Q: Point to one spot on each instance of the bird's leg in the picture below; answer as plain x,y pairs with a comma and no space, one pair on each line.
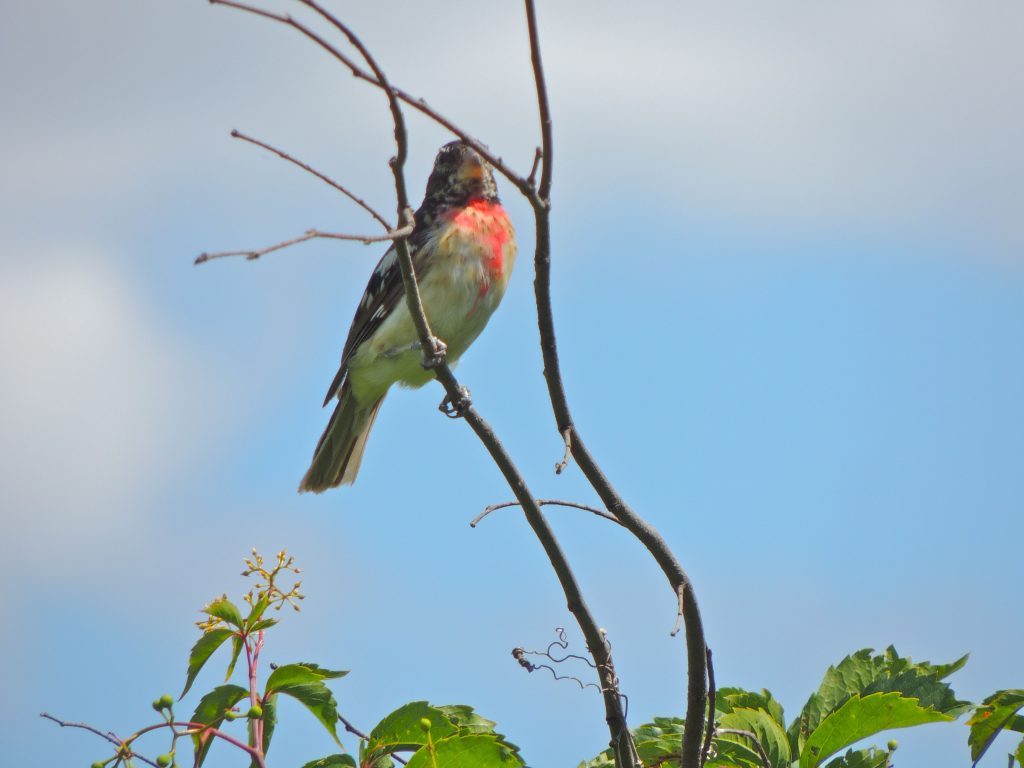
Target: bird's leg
433,357
454,408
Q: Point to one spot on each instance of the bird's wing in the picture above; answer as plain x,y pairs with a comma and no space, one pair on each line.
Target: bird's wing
383,293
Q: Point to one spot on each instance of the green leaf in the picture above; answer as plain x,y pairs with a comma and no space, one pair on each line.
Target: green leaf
318,699
402,730
859,718
256,613
237,643
332,761
470,722
211,711
302,673
225,610
474,751
765,727
604,760
262,624
727,699
996,712
863,674
862,758
201,653
730,754
1019,754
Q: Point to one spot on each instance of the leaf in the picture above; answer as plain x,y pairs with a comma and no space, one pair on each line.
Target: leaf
256,613
211,711
859,718
993,715
729,754
864,674
318,699
201,653
862,758
768,730
262,624
727,699
604,760
470,722
299,674
474,751
332,761
236,649
402,730
225,610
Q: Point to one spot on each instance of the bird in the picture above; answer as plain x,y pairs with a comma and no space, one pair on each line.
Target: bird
463,250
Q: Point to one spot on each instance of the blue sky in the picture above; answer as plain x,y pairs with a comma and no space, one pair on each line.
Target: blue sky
790,302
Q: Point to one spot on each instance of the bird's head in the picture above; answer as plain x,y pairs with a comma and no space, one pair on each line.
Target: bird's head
460,174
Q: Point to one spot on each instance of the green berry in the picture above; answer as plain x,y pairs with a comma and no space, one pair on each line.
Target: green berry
167,701
425,723
163,760
892,745
255,712
98,764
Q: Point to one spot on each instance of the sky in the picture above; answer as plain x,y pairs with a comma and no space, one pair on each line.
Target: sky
789,295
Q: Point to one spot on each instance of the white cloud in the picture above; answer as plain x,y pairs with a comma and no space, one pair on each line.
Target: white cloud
88,392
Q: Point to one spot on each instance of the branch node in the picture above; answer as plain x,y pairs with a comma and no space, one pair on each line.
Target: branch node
567,439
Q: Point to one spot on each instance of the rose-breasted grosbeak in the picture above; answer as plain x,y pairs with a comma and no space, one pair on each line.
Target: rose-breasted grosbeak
463,248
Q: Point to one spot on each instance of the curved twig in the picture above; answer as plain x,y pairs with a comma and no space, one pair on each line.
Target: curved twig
543,503
236,134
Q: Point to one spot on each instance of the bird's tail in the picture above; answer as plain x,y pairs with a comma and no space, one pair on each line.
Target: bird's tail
340,450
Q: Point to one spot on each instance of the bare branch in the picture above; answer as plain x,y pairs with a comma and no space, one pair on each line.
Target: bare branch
532,178
543,503
417,103
310,169
753,738
85,727
310,234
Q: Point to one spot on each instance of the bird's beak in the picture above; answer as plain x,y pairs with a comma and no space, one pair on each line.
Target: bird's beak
471,171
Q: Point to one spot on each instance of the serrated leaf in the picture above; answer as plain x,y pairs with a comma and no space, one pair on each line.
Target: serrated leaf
302,673
225,610
861,758
859,718
318,699
332,761
201,653
727,699
403,728
864,674
993,715
211,711
474,751
470,722
768,730
604,760
262,624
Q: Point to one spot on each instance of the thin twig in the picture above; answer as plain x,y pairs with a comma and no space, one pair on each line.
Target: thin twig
543,503
85,727
532,178
753,737
310,169
356,732
712,692
309,234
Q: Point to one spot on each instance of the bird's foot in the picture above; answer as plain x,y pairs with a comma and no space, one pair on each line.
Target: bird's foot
455,408
435,355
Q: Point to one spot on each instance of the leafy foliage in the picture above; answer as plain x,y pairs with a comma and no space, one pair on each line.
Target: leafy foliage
996,713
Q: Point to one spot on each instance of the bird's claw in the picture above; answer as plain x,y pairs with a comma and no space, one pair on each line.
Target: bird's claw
433,357
455,408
